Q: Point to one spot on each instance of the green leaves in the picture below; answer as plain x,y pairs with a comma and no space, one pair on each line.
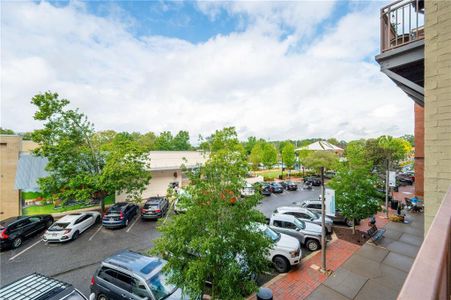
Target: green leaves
288,155
84,165
212,240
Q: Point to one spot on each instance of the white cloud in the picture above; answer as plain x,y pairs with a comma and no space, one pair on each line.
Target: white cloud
244,79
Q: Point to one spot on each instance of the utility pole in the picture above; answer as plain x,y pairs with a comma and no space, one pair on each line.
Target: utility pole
323,223
387,174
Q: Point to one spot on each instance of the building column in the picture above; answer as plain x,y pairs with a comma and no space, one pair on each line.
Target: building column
419,150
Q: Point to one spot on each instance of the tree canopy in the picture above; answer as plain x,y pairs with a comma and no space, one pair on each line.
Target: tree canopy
288,155
81,164
212,240
317,159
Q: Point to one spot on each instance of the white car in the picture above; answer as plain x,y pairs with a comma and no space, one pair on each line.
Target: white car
286,251
71,226
248,190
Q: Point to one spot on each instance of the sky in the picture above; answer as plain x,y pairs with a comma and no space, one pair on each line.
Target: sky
276,70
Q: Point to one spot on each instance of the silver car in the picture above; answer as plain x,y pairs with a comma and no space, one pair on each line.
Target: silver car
309,234
315,205
306,215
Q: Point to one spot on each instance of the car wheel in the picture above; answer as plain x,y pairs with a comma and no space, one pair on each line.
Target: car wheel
312,245
75,235
349,223
126,222
281,264
17,242
102,297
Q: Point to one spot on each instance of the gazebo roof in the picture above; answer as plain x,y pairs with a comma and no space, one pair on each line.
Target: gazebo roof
321,146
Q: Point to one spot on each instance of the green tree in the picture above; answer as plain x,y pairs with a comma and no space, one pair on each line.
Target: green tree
386,148
410,138
269,155
355,192
249,144
181,141
288,155
256,155
317,159
165,141
212,240
6,131
148,140
78,167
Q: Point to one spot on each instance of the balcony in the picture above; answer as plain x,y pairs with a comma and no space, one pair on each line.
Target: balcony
402,46
430,275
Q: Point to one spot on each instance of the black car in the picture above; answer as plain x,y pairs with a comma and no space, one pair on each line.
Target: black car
119,215
315,181
289,185
154,208
263,188
131,275
38,287
276,188
404,179
14,230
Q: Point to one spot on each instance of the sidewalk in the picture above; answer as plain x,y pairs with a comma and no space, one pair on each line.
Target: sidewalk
303,280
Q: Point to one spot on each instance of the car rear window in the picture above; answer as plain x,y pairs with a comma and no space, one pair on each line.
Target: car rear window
58,226
151,205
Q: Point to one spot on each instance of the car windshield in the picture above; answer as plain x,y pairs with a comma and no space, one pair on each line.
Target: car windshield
299,223
160,287
274,236
58,226
151,205
312,214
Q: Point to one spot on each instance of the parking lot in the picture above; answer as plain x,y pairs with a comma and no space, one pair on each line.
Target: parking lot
76,261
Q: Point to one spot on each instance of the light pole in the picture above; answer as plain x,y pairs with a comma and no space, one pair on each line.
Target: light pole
387,174
323,223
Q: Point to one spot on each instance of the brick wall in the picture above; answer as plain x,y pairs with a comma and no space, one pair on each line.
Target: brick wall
419,150
437,114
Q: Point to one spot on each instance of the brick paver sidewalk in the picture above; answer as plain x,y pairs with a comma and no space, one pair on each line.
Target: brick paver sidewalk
303,280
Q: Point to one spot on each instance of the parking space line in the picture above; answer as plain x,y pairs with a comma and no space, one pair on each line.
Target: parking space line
130,227
92,236
25,250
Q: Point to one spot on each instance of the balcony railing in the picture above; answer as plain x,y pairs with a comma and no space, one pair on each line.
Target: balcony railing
402,22
430,275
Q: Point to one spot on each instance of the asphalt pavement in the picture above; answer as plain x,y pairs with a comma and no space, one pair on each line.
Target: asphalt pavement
76,261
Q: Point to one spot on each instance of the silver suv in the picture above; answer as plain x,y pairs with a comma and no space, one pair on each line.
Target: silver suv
315,205
307,233
305,214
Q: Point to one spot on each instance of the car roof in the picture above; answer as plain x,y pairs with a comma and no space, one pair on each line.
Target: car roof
9,221
69,218
154,200
35,287
291,208
312,201
145,266
283,217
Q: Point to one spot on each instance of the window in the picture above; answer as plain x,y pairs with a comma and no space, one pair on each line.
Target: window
288,225
107,274
124,281
83,218
139,289
277,223
160,287
34,219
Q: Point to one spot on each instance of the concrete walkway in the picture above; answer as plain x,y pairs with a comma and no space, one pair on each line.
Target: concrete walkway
376,271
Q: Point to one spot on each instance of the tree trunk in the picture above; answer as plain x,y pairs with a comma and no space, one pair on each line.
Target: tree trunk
353,227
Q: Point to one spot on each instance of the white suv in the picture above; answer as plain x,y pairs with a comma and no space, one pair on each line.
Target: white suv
286,251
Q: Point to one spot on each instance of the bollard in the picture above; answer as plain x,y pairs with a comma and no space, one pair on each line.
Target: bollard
264,294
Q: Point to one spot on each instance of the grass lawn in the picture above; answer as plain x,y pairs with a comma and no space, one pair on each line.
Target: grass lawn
50,209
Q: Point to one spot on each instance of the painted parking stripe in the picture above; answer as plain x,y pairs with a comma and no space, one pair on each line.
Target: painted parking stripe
98,229
130,227
25,250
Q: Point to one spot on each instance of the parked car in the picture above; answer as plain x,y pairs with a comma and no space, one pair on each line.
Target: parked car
39,287
131,275
404,179
308,234
264,188
305,215
275,188
155,208
71,226
289,185
330,174
286,251
248,190
315,205
313,180
14,230
119,215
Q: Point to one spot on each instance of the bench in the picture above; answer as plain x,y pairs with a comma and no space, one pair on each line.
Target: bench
375,234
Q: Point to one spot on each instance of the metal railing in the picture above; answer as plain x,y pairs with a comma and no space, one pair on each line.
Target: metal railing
402,22
430,275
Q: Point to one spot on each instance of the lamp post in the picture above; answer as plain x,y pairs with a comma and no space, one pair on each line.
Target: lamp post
323,223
